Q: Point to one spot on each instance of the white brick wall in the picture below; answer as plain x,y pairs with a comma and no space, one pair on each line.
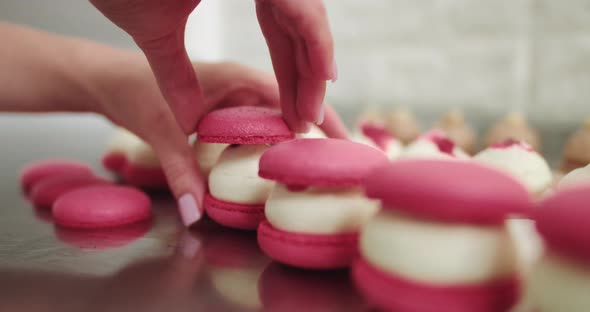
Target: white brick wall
485,56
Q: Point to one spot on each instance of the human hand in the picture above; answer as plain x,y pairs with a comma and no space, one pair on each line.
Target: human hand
131,99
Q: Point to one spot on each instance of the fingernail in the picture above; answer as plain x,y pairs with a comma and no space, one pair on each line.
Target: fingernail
320,119
334,72
190,246
189,210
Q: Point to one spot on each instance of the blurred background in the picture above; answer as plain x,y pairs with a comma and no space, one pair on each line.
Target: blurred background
486,57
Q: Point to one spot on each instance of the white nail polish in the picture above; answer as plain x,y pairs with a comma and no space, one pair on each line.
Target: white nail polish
189,210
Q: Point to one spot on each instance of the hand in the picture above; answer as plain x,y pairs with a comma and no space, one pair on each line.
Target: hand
297,33
130,98
300,44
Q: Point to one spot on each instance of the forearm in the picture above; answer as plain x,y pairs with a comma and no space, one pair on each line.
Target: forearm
41,72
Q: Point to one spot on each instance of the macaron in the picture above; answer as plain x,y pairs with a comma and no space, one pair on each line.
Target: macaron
378,136
47,191
560,280
236,193
316,209
207,154
453,124
37,171
440,237
433,144
576,152
520,160
403,124
101,206
134,161
513,126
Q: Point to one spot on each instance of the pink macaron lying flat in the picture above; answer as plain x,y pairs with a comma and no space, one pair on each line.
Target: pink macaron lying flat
393,293
308,251
244,125
563,221
37,171
233,215
320,162
458,191
48,190
101,206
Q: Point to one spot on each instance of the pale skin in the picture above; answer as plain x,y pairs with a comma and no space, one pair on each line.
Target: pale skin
41,72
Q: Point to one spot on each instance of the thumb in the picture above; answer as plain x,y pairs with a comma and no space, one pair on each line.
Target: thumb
176,77
178,162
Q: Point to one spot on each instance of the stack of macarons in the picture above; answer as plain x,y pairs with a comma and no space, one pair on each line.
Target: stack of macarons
434,144
440,242
317,208
236,194
134,161
560,280
79,199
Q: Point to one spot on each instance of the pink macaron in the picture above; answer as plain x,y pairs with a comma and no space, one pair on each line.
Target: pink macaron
101,206
47,191
244,125
236,194
563,221
37,171
318,174
451,208
146,177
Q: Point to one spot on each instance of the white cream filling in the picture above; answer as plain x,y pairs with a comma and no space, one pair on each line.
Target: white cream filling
528,243
142,155
239,286
207,154
234,178
122,142
393,148
438,253
575,177
528,167
557,284
424,148
319,210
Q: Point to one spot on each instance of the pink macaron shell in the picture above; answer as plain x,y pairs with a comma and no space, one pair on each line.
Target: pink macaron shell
377,133
46,191
102,239
308,251
144,177
35,172
393,293
449,191
101,206
563,221
244,125
234,215
114,162
320,162
288,289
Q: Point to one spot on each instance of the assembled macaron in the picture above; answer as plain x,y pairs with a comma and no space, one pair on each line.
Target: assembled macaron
433,144
440,242
236,193
560,280
134,161
317,207
378,136
453,124
575,177
513,126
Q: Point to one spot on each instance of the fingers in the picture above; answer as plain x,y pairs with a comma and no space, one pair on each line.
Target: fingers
176,77
282,52
308,18
177,160
333,126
